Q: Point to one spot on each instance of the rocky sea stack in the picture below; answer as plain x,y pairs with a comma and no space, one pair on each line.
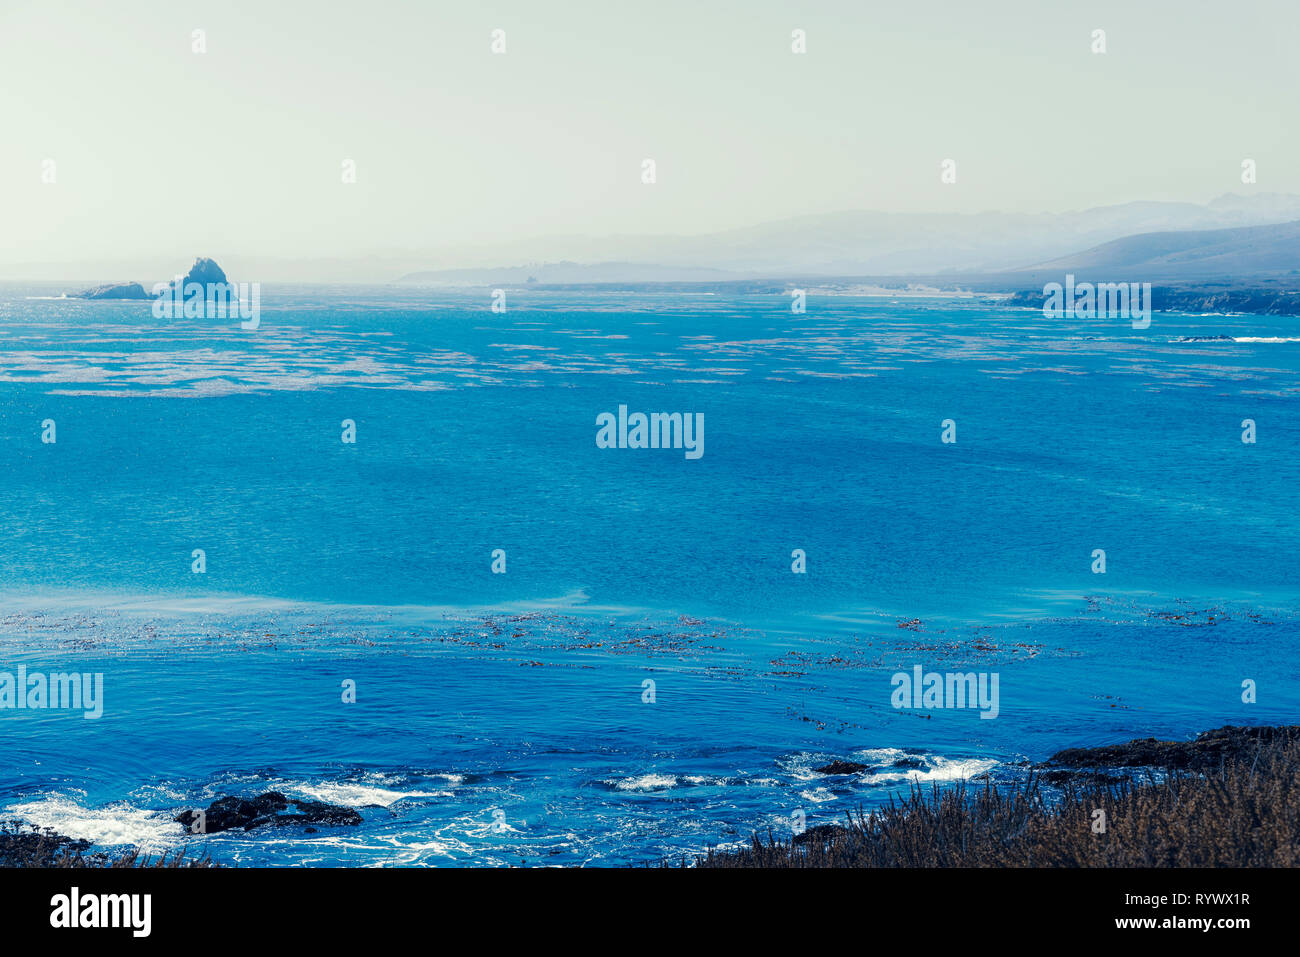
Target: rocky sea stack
203,272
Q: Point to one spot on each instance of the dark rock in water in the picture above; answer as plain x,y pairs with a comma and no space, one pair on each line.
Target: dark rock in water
841,767
908,762
818,833
273,808
1208,750
114,290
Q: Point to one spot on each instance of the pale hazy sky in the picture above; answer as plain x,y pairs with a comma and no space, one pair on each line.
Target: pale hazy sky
239,149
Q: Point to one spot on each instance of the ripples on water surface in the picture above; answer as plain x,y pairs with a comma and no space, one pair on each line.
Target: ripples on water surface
500,717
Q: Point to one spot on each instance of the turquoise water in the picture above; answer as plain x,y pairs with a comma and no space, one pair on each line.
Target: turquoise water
501,717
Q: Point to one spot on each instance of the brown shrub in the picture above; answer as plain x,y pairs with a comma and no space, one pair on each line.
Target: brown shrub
1243,813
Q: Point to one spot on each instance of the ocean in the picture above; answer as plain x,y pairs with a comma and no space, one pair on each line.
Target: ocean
568,654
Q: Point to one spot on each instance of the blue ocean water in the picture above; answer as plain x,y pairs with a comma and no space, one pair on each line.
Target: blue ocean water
502,718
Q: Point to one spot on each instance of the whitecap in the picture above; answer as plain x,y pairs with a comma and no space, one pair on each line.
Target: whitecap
939,769
644,782
817,795
113,824
359,795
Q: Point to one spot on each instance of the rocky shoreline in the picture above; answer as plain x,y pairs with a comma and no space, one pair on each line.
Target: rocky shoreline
1166,299
26,846
1241,777
1208,750
1230,797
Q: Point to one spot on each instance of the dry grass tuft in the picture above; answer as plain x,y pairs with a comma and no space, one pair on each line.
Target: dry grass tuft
1243,813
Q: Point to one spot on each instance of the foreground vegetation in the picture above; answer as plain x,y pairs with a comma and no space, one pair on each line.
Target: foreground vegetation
1243,811
23,846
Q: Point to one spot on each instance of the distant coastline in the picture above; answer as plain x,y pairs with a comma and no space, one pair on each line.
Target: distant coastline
1208,298
1262,302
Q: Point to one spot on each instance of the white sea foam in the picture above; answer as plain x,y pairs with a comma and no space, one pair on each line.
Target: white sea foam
452,779
359,795
933,767
703,780
882,755
800,766
113,824
644,782
939,769
817,795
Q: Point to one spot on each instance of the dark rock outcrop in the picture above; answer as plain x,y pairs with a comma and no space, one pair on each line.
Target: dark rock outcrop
1208,750
841,767
272,808
114,290
818,834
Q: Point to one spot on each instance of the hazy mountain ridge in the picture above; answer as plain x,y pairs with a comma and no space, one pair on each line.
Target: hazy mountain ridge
850,243
1187,255
861,243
